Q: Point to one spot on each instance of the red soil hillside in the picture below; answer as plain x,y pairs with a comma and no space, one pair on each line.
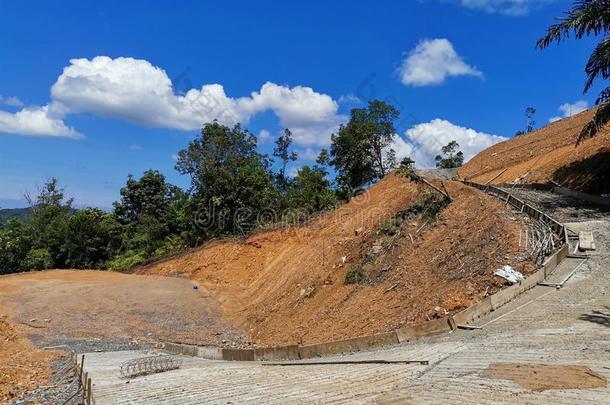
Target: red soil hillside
549,153
286,286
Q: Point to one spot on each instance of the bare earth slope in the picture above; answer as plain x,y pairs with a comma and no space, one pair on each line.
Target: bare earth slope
286,286
549,153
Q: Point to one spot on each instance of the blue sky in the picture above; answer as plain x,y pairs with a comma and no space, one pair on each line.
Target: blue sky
93,91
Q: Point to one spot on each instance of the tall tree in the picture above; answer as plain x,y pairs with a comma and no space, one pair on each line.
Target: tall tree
530,123
586,18
282,151
145,210
150,195
361,150
450,156
230,181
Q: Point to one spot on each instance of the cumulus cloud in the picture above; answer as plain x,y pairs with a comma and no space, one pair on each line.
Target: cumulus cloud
508,7
432,61
424,141
139,92
37,121
311,116
11,101
569,109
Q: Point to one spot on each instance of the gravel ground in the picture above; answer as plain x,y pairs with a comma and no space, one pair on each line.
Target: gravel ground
62,386
562,208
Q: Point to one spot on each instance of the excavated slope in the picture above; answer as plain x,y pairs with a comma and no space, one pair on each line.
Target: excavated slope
286,286
549,153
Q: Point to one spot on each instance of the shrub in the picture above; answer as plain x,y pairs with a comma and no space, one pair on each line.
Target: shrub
355,274
391,227
428,207
171,244
126,260
38,259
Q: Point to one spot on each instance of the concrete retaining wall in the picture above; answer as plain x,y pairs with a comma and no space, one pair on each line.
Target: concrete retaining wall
277,353
206,352
238,354
430,328
348,345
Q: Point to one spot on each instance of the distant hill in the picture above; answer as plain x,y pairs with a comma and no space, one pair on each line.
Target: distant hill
10,213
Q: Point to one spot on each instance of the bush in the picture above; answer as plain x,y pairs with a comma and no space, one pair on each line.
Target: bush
171,244
428,207
38,259
391,227
126,260
355,274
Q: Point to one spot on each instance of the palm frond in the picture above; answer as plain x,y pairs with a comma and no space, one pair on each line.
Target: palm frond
600,119
587,16
599,63
603,97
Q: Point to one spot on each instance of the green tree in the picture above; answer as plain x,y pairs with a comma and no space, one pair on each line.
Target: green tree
450,156
282,151
93,237
148,212
588,17
231,182
530,123
15,243
310,190
323,158
47,226
361,150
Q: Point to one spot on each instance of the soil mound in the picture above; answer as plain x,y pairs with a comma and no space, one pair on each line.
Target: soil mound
287,285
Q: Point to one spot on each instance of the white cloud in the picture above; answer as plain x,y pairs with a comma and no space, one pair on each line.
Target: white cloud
37,121
311,116
570,109
508,7
349,99
432,61
137,91
135,146
424,141
11,101
263,136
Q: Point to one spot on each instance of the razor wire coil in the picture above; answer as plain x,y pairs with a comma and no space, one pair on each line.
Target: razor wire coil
149,365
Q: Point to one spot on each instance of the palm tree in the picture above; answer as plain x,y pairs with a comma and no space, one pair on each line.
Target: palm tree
586,18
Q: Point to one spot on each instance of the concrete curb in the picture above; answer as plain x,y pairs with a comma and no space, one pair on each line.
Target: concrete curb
405,334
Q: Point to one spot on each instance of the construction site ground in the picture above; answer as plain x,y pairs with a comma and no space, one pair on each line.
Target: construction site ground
547,346
279,286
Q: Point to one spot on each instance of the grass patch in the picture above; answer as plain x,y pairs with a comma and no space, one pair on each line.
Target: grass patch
390,227
355,275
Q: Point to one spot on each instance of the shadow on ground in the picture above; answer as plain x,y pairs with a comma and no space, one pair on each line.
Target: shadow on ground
597,317
591,175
